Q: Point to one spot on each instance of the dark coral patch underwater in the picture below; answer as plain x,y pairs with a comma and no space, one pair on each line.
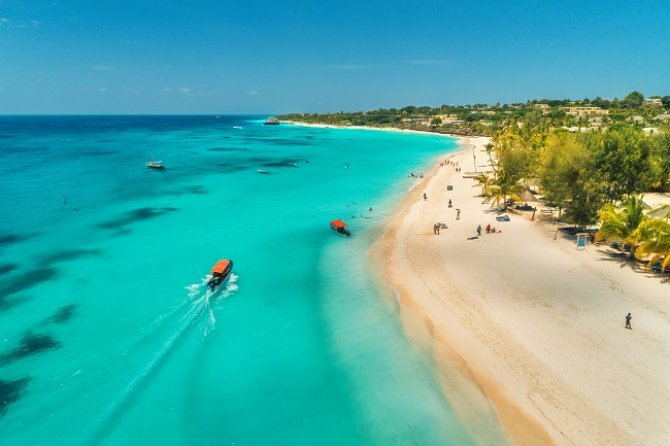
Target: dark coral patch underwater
10,392
30,344
134,216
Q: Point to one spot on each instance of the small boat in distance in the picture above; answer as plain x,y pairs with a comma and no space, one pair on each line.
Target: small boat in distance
263,171
220,273
340,227
155,164
271,121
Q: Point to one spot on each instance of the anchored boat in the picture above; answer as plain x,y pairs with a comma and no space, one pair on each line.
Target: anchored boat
220,273
340,227
155,164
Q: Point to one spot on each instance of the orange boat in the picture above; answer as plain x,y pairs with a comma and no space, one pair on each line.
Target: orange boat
340,227
220,272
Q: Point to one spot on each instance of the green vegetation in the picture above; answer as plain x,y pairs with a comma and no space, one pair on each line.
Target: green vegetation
591,158
486,119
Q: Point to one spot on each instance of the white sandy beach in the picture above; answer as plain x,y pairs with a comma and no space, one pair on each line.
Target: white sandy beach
535,324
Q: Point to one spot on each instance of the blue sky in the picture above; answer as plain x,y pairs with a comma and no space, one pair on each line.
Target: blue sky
202,56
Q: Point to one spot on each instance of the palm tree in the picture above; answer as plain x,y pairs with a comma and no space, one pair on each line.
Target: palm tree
485,182
622,224
653,236
502,187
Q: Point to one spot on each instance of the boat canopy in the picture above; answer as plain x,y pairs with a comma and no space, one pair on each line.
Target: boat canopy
221,266
338,223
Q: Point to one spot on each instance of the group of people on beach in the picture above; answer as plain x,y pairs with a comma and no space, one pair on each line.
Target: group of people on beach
447,162
490,229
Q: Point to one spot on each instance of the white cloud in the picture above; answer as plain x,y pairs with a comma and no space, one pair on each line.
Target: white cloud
185,90
253,93
167,90
102,89
16,24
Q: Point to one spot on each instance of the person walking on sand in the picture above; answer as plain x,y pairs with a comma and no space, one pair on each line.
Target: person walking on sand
479,230
628,318
425,197
458,214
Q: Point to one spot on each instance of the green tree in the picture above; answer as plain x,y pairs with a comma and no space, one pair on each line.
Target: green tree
512,159
568,177
660,161
586,199
665,100
561,160
623,157
634,99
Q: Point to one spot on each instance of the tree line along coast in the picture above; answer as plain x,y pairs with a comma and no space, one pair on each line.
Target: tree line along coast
592,160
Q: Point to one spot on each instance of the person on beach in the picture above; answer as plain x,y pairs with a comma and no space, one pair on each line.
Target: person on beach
425,197
458,214
450,202
488,228
479,230
628,318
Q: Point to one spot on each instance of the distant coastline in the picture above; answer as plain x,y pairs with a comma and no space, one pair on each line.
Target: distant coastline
365,127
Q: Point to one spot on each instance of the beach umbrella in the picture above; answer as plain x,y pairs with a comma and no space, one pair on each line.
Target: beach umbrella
527,196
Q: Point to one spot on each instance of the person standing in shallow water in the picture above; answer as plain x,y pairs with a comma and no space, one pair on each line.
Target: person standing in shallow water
628,318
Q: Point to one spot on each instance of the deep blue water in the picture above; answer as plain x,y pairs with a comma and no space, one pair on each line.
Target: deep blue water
106,336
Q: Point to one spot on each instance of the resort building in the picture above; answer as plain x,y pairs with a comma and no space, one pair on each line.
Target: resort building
449,119
654,102
584,112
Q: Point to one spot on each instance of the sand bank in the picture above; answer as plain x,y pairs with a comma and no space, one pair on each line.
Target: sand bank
529,322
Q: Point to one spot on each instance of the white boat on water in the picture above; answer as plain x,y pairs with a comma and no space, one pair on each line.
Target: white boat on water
155,164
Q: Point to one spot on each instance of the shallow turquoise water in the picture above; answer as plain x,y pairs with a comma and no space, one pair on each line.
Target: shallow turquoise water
105,337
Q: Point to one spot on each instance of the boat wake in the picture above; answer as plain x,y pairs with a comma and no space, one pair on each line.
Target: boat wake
199,304
195,290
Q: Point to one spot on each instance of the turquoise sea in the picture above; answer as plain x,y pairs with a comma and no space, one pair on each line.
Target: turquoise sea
106,333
